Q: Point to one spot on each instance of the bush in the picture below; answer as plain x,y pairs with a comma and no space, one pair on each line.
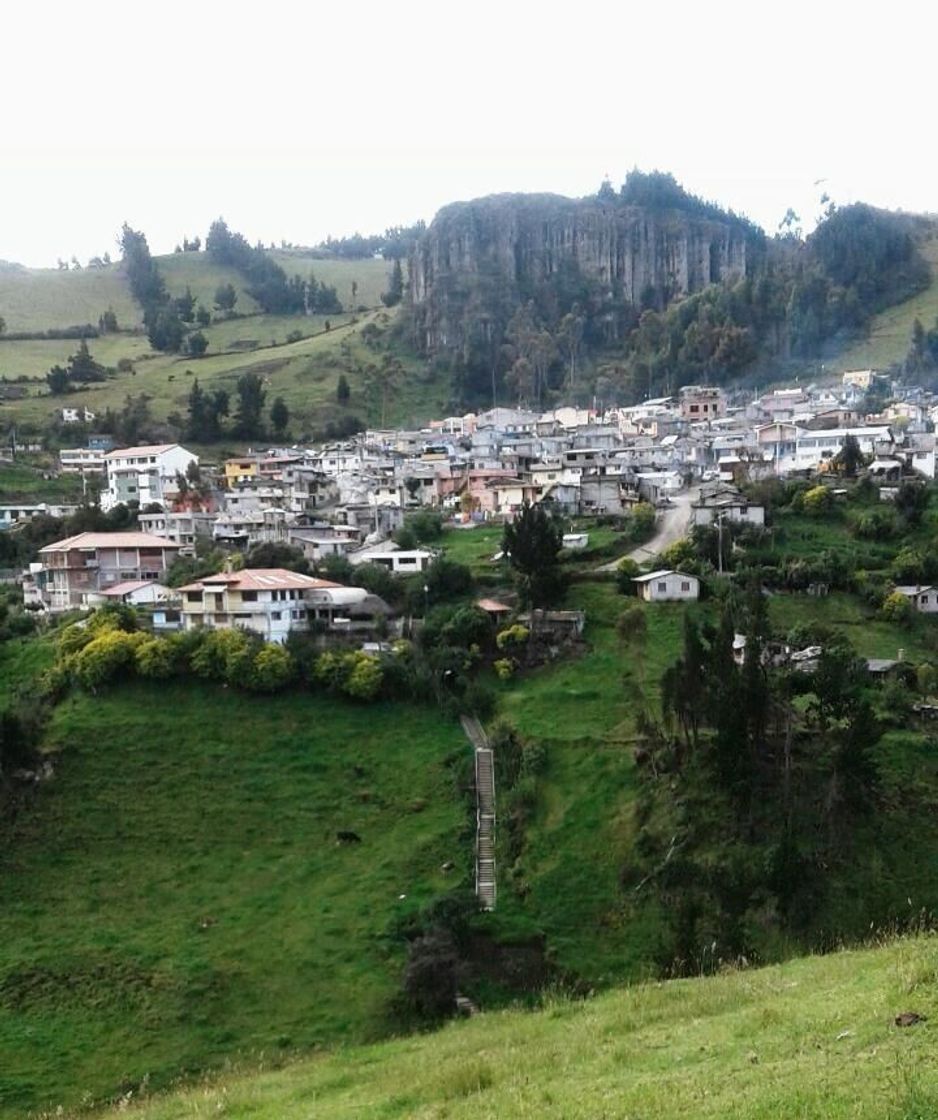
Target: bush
632,624
626,570
108,655
641,522
272,670
513,637
364,678
155,659
876,525
908,566
817,501
504,668
896,608
223,655
467,626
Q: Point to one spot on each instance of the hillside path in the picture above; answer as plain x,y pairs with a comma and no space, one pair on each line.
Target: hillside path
673,523
485,811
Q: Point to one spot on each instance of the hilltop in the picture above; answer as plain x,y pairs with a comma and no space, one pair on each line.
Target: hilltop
813,1037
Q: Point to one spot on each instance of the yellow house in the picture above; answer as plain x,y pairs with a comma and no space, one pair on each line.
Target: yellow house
241,470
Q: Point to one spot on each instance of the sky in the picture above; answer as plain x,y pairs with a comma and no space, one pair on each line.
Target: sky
295,123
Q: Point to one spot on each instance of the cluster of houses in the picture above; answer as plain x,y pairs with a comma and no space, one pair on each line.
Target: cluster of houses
348,499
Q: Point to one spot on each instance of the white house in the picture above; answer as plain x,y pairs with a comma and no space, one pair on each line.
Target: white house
268,601
923,599
144,474
400,561
667,586
78,460
272,602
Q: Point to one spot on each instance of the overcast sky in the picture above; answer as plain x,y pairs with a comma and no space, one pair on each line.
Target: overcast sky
294,122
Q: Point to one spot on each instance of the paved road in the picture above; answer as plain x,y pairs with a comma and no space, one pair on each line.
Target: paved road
673,523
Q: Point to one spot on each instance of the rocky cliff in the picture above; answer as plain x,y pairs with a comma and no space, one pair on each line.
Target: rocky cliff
479,259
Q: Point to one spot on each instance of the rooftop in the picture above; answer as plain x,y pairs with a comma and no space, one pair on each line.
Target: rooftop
109,540
260,579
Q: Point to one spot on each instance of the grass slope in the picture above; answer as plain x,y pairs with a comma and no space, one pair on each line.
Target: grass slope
811,1038
890,332
35,299
176,894
304,373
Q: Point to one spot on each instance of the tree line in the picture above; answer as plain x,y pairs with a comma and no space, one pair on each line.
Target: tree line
266,281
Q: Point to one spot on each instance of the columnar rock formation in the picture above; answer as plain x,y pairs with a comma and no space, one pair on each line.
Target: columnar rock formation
504,247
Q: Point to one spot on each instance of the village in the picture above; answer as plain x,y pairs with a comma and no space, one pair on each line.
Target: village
684,456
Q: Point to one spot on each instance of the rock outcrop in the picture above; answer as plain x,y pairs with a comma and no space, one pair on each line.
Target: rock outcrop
477,257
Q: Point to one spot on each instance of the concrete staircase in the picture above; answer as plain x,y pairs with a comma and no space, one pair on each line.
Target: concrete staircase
486,890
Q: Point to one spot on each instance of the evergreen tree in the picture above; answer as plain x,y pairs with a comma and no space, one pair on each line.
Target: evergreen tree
343,393
251,397
395,291
532,544
279,416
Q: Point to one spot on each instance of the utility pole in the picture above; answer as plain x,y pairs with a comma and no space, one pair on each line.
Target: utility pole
720,542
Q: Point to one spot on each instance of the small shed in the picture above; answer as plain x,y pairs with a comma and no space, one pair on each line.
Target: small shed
667,586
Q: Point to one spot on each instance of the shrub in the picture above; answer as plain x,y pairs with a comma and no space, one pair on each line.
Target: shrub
155,659
626,570
504,668
104,658
513,636
364,678
817,501
223,655
467,626
272,670
632,624
908,566
896,607
641,522
876,525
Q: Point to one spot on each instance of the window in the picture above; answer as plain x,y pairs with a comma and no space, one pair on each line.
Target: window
685,585
193,596
662,586
275,615
249,596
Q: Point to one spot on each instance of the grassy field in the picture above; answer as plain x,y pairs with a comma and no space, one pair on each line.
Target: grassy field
176,895
37,299
305,373
813,1038
24,482
890,332
370,275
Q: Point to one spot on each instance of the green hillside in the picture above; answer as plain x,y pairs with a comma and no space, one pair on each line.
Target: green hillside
37,299
812,1038
370,275
305,373
177,896
890,332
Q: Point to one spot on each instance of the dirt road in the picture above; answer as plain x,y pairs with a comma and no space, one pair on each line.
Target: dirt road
673,523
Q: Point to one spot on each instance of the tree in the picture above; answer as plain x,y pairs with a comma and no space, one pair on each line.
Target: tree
203,316
343,393
185,305
251,397
849,459
197,344
395,291
279,416
226,297
58,381
3,324
532,544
